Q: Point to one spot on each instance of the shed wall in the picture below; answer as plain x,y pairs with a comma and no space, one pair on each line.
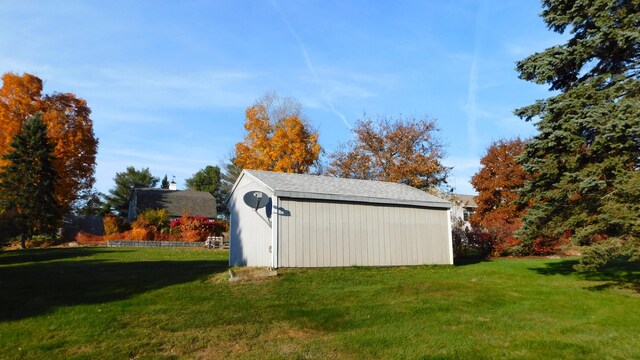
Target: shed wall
325,234
250,230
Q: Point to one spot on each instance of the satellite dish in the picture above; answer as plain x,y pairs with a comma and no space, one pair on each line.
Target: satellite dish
256,199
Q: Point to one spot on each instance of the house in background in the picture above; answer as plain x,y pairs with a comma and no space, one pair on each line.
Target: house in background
320,221
176,202
463,207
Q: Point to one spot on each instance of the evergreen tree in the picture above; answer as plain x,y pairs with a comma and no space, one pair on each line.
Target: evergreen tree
586,155
118,198
28,180
209,180
228,179
165,182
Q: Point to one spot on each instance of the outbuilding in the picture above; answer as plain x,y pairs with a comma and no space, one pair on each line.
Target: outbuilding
294,220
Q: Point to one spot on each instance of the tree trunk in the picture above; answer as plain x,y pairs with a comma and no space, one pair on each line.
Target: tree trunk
23,239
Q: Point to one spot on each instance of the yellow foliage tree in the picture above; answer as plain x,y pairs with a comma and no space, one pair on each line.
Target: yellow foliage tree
278,138
68,126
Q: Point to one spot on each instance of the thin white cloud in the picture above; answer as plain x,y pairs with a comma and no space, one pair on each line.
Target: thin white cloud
310,66
472,87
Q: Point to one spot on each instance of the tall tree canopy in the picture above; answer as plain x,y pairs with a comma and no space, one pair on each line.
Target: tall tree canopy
208,179
278,137
68,126
28,180
497,183
404,150
118,197
586,155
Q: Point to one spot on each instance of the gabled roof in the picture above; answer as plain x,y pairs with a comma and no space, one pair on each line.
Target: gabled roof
177,202
302,186
465,200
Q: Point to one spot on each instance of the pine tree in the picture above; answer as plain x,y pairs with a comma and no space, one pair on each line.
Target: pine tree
586,155
28,180
165,182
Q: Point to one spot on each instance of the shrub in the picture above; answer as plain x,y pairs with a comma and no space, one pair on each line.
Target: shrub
111,224
86,238
140,223
140,234
470,242
157,218
194,228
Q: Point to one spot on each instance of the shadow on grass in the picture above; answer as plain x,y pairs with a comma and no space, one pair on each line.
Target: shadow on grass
469,260
40,255
616,275
30,289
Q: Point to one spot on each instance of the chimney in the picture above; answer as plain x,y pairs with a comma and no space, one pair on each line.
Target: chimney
172,184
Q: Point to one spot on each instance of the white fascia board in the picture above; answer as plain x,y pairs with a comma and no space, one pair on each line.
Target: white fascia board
235,185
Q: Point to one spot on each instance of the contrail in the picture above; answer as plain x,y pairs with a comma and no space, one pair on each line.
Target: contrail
309,64
472,93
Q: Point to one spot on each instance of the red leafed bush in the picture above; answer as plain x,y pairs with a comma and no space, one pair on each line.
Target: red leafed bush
194,228
86,238
147,233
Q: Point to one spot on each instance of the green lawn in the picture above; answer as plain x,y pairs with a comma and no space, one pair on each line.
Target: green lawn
99,303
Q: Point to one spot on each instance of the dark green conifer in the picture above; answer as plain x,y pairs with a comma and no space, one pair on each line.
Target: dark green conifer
27,182
586,156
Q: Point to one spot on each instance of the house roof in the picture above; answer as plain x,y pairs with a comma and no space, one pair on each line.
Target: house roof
466,200
177,202
339,189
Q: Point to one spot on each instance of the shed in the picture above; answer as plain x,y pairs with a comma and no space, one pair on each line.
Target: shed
176,202
320,221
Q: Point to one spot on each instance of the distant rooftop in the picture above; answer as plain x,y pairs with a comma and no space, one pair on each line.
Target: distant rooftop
340,189
177,202
466,200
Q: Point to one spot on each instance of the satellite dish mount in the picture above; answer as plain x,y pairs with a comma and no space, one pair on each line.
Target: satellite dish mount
256,199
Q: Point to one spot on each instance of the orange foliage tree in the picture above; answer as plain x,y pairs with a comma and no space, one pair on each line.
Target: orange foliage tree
278,138
403,150
497,184
68,125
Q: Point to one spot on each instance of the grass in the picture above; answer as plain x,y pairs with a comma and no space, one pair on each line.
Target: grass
91,303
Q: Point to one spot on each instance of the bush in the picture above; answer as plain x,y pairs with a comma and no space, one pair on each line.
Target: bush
470,242
157,218
194,228
114,225
140,234
111,224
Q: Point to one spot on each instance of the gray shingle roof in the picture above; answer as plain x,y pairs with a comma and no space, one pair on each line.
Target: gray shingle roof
339,189
466,200
177,202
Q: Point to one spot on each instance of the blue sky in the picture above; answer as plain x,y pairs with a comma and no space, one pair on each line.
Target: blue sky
168,81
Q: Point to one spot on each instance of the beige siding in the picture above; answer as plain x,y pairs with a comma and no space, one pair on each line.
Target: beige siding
317,233
250,230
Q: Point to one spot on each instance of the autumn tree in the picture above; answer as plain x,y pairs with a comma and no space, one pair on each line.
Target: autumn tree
402,149
497,183
28,181
586,156
278,137
118,197
208,179
68,126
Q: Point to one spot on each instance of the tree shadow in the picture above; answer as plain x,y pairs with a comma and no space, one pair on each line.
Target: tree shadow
35,288
40,255
621,274
469,260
